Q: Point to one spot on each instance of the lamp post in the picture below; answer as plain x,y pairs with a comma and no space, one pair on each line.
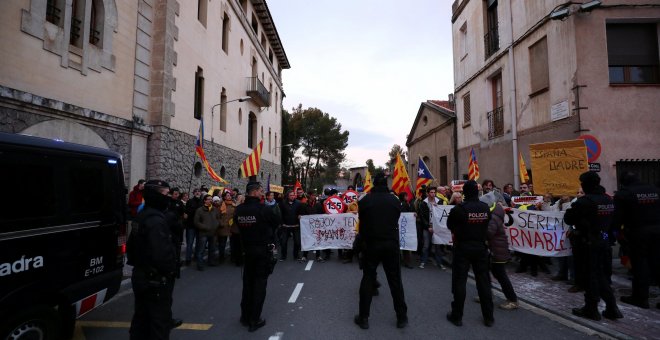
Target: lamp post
240,100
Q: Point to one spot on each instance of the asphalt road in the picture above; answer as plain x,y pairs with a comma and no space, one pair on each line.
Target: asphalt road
209,301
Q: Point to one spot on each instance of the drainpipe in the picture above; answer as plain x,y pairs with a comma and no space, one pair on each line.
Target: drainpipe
512,105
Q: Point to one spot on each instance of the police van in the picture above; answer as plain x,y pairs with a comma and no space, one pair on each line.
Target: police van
62,234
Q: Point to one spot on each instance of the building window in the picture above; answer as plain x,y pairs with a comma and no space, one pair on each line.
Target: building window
632,53
496,117
538,66
201,11
55,12
270,94
263,41
277,100
270,150
443,170
467,116
491,38
270,55
223,171
223,110
96,23
240,116
252,130
225,33
255,25
199,93
463,41
244,5
276,144
77,20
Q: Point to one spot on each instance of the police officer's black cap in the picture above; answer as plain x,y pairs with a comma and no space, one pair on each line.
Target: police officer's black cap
471,189
156,183
252,185
380,179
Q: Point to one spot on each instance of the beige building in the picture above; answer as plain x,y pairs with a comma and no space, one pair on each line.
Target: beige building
432,138
138,76
530,72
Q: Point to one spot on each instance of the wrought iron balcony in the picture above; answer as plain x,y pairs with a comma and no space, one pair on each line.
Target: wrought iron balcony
258,92
491,41
496,123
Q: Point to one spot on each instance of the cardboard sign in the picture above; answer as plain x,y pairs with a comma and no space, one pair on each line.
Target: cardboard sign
334,205
557,166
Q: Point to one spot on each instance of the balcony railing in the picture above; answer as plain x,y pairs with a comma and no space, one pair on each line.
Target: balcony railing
258,92
496,123
491,41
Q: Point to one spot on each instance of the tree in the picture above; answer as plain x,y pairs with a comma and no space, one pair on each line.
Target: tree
372,168
396,149
319,138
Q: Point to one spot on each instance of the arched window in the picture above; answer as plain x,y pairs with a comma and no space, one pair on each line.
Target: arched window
269,145
240,116
223,171
252,130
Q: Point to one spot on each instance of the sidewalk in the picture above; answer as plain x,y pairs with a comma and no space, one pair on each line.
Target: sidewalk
553,297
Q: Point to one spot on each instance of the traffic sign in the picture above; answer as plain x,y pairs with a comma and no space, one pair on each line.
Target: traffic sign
593,147
595,167
350,196
334,205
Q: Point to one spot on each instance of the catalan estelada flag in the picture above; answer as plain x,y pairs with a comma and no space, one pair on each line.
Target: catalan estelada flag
400,179
524,176
473,166
199,149
424,176
251,165
367,183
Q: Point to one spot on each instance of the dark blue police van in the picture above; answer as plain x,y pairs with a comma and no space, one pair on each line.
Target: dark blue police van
62,234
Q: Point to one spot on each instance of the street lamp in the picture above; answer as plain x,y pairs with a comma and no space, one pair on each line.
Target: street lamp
240,100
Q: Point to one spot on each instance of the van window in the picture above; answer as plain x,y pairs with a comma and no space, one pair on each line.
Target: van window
86,189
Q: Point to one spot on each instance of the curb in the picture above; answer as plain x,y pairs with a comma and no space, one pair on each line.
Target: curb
570,317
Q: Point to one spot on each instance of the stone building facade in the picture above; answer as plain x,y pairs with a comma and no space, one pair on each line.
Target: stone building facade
432,138
123,75
523,78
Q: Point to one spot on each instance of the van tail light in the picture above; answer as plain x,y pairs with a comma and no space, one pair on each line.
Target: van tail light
121,243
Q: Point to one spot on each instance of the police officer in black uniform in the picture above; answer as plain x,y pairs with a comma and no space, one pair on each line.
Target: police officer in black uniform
637,209
591,215
257,224
468,223
379,213
152,254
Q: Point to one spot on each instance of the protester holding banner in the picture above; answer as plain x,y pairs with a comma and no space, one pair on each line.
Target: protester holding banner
290,209
469,224
379,214
499,247
426,218
637,209
592,216
405,207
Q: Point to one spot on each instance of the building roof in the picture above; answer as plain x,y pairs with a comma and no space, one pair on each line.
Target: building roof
441,107
261,8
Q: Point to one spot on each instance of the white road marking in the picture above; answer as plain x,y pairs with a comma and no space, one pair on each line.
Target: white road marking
277,336
296,292
309,265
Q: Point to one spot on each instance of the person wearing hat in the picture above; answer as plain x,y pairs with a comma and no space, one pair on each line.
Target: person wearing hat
379,213
257,224
468,223
637,215
152,254
591,215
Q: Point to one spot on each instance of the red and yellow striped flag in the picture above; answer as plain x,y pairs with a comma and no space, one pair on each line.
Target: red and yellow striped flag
400,179
473,166
251,165
199,149
367,182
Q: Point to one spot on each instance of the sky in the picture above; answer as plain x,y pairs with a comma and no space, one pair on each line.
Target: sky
368,63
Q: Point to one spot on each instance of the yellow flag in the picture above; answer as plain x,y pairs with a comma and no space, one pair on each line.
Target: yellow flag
524,176
367,182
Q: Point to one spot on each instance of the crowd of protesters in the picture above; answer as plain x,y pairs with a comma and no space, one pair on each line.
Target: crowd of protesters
206,227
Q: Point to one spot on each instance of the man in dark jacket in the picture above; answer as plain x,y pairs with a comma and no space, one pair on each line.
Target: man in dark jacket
591,215
152,254
637,215
468,223
379,213
290,208
257,224
189,223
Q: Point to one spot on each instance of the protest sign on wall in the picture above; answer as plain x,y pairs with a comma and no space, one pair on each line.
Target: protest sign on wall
337,231
529,231
556,166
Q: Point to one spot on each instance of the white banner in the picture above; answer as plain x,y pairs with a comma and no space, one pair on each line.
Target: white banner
529,231
337,231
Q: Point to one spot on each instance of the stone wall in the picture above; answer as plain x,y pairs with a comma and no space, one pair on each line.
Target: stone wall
171,157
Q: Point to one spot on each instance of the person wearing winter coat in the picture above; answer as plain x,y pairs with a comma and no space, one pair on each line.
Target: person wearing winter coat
226,218
500,255
206,223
